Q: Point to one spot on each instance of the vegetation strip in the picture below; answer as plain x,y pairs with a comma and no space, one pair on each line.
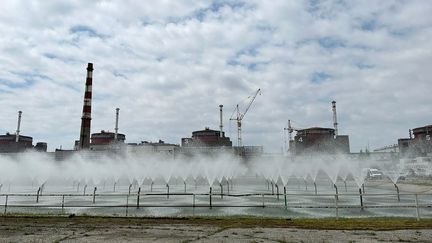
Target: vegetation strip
225,222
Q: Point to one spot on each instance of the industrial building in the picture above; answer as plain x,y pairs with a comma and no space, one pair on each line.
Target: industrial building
153,148
318,139
207,138
419,144
14,143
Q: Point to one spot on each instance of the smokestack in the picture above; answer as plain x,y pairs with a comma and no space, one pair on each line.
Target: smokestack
221,123
116,124
18,126
86,115
335,123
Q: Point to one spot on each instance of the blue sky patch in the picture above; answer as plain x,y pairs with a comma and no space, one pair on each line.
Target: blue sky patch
330,43
85,30
320,77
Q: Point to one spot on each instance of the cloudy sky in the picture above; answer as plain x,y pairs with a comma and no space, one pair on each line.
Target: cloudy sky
169,64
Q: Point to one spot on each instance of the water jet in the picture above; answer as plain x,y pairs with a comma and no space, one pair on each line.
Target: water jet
277,191
130,186
37,195
272,187
138,197
221,187
167,186
361,198
315,186
210,197
397,190
85,187
346,190
228,186
337,197
94,194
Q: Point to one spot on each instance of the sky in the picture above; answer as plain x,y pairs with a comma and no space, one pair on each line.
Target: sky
169,64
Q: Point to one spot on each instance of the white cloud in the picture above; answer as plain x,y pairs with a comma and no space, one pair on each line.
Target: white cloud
170,64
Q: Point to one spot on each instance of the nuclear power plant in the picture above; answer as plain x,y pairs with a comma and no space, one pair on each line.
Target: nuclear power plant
301,141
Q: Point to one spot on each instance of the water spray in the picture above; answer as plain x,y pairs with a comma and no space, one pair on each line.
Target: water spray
397,190
361,199
184,182
346,190
130,186
363,186
151,186
114,186
268,185
78,186
42,188
337,197
228,186
167,186
221,187
1,185
315,186
94,194
277,191
85,187
195,180
305,182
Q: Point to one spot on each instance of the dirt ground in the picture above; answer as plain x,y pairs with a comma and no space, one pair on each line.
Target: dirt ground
97,229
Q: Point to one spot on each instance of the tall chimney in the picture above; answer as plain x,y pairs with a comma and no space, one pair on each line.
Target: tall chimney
18,126
116,125
221,122
335,123
86,115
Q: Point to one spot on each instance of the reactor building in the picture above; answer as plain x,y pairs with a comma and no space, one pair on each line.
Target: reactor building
419,144
319,140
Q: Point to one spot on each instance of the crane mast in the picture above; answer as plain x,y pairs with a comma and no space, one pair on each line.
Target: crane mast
239,117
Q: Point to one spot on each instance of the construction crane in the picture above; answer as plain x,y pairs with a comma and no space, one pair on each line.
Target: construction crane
239,117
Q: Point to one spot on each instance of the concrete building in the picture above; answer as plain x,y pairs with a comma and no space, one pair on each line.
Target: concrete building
319,140
8,143
150,148
418,145
207,138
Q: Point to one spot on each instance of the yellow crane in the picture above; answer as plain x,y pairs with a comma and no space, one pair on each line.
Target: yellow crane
239,116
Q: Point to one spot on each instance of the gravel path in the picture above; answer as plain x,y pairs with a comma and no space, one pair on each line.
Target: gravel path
22,230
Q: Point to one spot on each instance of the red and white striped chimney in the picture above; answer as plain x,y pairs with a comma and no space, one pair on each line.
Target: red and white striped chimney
86,115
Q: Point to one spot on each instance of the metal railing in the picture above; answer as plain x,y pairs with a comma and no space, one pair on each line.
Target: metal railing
135,200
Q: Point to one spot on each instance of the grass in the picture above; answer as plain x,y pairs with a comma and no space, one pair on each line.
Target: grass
225,222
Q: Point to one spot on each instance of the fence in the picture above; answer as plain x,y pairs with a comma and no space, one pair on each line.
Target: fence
137,200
